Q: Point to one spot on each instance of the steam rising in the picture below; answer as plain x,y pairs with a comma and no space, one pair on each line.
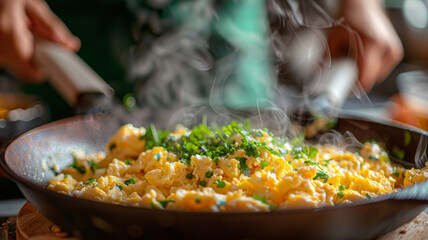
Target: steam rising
180,77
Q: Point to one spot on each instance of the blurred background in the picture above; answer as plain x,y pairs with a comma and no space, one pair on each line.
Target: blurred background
119,37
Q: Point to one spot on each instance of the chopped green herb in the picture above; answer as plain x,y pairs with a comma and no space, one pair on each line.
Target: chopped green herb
396,173
168,158
264,145
332,122
369,196
403,174
93,165
407,138
197,200
130,181
260,198
312,152
189,176
342,188
397,152
263,164
245,170
119,186
154,206
221,184
91,180
112,146
313,164
216,159
164,203
258,134
127,161
340,195
80,168
202,183
65,175
157,157
373,158
326,162
321,175
209,174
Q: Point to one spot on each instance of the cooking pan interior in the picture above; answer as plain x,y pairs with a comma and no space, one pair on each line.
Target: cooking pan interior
30,160
35,156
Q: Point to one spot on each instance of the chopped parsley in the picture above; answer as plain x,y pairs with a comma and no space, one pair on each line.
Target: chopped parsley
157,156
119,186
154,206
340,195
93,165
164,203
80,168
310,162
127,161
370,197
212,143
221,184
197,199
189,176
130,181
396,173
65,175
202,183
245,170
326,162
258,134
209,174
305,152
91,180
342,188
321,175
260,198
263,200
263,164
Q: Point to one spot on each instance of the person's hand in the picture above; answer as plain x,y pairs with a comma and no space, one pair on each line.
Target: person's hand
379,50
20,22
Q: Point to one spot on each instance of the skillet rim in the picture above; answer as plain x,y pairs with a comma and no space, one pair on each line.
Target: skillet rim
97,117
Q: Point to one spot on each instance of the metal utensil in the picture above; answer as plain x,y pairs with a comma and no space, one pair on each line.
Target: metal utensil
80,86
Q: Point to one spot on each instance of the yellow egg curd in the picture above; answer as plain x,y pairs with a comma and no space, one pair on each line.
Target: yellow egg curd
232,168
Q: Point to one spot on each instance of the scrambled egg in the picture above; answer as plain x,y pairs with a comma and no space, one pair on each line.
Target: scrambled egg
248,170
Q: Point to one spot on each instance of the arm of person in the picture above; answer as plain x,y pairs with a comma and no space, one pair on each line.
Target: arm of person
20,22
377,46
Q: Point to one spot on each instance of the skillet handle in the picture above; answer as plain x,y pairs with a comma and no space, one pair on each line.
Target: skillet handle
68,73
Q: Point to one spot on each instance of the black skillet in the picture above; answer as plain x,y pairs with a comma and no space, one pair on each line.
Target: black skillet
28,159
